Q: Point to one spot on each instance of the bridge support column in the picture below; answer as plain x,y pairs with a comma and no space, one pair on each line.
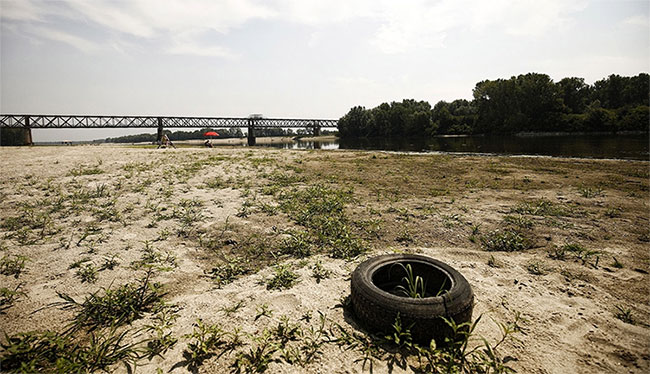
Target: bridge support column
316,130
16,136
160,130
251,133
28,132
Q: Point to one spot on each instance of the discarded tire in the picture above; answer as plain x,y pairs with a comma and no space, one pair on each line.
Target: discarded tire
376,303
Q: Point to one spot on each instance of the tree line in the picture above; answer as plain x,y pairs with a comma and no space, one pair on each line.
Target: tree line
223,134
526,103
176,135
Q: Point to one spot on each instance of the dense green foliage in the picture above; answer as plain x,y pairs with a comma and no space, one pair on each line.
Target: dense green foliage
526,103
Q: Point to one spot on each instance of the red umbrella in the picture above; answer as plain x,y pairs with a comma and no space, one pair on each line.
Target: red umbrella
211,133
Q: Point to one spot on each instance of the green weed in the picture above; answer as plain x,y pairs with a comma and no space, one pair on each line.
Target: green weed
322,211
590,192
617,264
414,285
87,273
78,263
506,240
8,297
258,357
519,221
229,271
285,331
624,314
110,262
319,272
215,183
542,207
50,352
85,170
536,268
493,263
162,338
153,259
230,310
206,341
263,311
298,244
12,265
115,307
283,278
577,252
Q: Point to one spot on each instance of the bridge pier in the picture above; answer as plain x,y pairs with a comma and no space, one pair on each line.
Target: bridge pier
17,136
160,130
251,133
27,132
316,130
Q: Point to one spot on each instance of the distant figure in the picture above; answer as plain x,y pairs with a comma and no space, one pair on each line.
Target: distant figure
165,142
208,143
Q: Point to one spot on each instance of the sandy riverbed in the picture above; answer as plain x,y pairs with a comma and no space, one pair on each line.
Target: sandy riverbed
191,210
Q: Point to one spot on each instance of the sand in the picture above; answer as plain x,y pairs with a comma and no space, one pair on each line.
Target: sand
570,324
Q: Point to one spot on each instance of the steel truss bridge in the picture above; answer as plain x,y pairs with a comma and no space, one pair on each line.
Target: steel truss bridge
30,121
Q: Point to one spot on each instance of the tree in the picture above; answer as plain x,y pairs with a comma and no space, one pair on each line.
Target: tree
575,94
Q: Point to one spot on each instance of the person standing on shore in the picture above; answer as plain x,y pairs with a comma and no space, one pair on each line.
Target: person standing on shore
165,142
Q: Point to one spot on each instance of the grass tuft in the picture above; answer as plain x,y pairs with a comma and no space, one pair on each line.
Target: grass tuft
507,240
115,307
283,278
12,265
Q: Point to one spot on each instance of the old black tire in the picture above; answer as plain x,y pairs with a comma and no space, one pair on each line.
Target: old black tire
376,308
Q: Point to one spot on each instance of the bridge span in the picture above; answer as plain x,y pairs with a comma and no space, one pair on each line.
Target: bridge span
26,122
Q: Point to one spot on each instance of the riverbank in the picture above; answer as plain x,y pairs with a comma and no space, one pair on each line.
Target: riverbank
561,243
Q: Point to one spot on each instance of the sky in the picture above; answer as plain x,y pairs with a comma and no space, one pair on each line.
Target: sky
295,58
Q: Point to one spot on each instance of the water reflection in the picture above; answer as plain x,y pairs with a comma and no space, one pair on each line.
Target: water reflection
584,146
299,144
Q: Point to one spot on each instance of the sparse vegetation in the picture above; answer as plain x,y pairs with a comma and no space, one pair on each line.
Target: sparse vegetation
207,341
322,211
537,268
87,273
412,285
229,271
506,240
493,263
543,207
590,192
176,216
283,278
319,272
115,307
577,252
263,311
8,296
51,352
12,265
624,314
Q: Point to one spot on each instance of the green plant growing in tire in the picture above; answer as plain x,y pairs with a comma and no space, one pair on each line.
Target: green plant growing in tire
415,287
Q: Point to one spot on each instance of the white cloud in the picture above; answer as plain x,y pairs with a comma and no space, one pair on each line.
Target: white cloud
18,10
60,36
400,26
639,20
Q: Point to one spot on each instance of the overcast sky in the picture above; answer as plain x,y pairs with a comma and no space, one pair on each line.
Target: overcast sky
295,58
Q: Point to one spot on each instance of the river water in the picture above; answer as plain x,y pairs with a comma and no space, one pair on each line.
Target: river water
633,147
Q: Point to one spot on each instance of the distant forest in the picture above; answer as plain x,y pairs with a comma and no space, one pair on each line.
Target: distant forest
198,134
526,103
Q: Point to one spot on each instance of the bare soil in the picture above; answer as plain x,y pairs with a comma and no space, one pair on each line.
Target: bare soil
442,206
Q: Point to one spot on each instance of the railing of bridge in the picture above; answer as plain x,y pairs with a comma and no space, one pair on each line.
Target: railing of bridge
80,121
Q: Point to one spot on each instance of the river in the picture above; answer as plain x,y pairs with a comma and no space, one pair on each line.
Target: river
632,147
